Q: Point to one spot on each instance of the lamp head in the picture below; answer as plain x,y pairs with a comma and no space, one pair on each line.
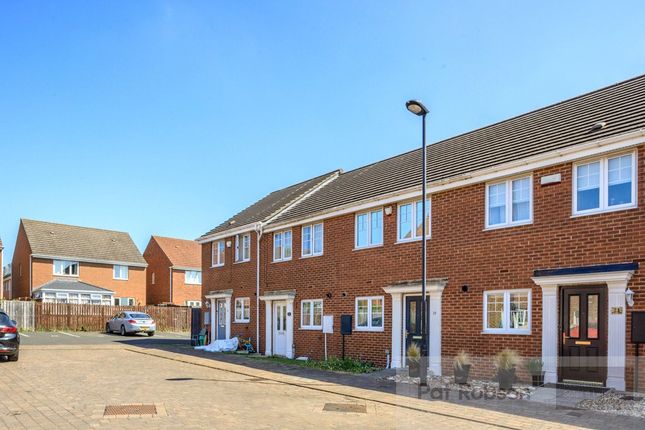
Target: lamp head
416,107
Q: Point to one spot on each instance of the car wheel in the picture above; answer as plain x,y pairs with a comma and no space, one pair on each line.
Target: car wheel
107,329
14,357
151,333
123,333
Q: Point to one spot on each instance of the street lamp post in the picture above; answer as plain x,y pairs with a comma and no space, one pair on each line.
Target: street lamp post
417,108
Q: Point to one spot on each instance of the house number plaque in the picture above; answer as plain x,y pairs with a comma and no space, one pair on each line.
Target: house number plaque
617,310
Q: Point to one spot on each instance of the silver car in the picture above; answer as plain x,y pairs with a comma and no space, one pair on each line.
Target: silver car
131,322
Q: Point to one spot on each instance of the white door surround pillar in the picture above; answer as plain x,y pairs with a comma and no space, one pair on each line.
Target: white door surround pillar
434,291
616,282
213,296
268,298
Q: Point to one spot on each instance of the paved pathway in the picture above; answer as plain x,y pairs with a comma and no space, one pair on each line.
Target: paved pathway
68,386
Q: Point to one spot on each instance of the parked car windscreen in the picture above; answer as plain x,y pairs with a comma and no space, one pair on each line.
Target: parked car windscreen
5,320
140,316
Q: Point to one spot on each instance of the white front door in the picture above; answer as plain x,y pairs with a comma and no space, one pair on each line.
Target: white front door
280,328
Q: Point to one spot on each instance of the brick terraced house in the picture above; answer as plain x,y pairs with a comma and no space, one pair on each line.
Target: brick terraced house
174,272
536,234
71,264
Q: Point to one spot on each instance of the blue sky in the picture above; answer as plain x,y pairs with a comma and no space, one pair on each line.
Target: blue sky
162,117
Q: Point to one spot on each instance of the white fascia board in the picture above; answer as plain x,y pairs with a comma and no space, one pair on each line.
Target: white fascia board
64,290
577,152
89,260
187,268
246,228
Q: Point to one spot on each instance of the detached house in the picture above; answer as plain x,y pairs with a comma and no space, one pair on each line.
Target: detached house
174,272
71,264
536,233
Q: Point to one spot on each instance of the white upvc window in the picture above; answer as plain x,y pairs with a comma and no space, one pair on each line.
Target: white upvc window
217,253
243,310
194,303
509,202
409,220
369,313
311,312
65,268
120,272
242,247
369,229
62,297
312,240
193,277
73,298
282,245
124,301
507,312
604,185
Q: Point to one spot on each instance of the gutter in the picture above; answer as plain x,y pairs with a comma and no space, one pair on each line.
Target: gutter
170,285
258,233
576,152
89,260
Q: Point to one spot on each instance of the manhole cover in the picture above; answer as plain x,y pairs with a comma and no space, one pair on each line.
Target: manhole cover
345,407
130,410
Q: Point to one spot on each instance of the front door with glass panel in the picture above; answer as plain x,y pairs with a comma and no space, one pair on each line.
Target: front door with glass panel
413,322
583,344
221,319
280,328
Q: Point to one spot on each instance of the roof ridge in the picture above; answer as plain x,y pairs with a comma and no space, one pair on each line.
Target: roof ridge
156,236
500,122
75,226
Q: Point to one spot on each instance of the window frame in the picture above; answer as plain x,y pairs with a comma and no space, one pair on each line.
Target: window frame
369,213
369,327
242,300
216,261
78,268
506,312
313,252
186,272
239,247
281,234
508,183
414,220
194,303
311,325
604,185
127,272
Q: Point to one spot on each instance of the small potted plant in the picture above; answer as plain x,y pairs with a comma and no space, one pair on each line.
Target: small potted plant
414,358
505,362
461,366
535,368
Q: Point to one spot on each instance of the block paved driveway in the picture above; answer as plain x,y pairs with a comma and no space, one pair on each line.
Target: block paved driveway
66,382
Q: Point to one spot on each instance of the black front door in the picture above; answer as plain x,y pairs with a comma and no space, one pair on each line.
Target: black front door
583,345
413,322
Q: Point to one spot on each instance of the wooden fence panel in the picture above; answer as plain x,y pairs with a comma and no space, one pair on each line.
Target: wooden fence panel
22,312
73,317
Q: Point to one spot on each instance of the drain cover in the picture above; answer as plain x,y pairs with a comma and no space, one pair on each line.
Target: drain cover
345,407
130,410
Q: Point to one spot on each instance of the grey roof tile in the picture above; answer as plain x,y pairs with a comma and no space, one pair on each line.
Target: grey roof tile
271,204
71,285
83,243
558,126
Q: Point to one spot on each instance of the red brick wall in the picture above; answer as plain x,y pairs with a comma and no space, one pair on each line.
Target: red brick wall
181,291
237,276
101,275
459,250
20,266
159,264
